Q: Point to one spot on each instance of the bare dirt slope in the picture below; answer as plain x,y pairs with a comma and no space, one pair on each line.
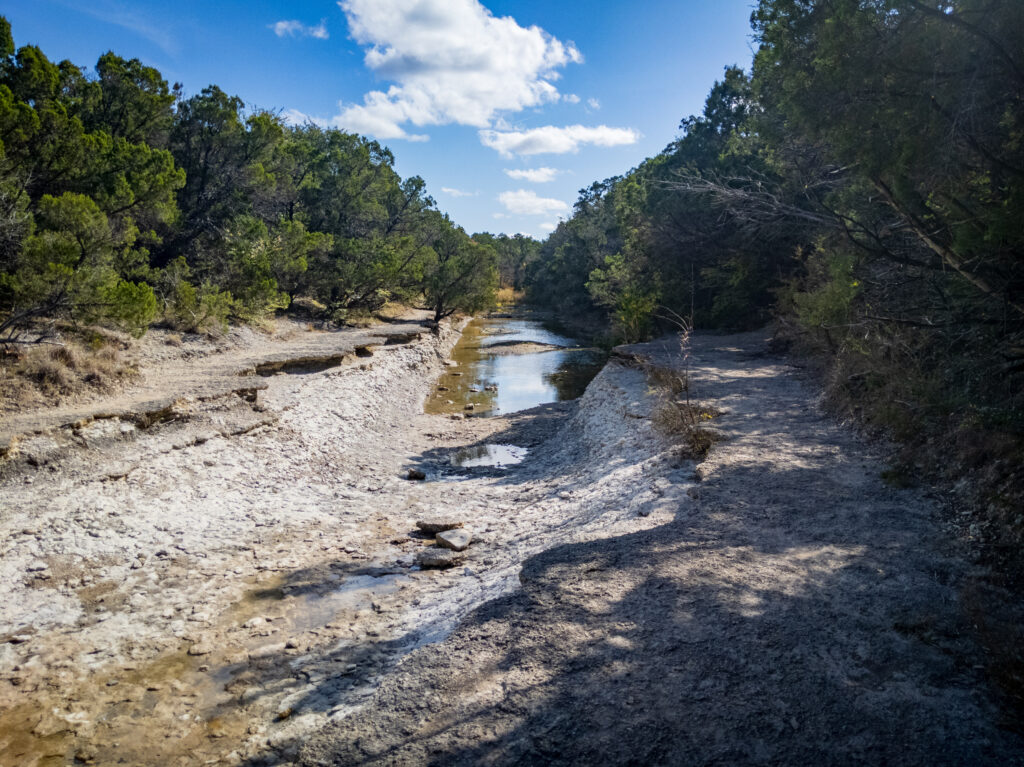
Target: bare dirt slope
198,367
793,609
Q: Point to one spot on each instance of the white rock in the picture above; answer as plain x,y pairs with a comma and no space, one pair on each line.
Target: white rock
456,540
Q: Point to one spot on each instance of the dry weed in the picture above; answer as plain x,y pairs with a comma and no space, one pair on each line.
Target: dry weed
43,375
677,416
508,296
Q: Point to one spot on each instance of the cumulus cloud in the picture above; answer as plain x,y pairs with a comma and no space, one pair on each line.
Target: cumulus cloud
457,192
553,140
594,104
571,98
452,61
533,175
525,202
547,227
294,28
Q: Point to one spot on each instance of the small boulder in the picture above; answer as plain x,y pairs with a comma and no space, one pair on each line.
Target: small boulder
416,474
456,540
439,559
435,526
443,388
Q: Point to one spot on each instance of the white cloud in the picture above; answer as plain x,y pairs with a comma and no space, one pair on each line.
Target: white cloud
525,202
294,28
296,118
457,192
452,61
594,104
533,175
571,98
553,140
547,226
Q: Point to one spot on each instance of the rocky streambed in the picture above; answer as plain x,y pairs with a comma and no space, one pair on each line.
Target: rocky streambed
258,579
216,587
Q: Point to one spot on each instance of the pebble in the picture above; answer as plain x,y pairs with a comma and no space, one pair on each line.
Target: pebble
438,558
438,525
456,540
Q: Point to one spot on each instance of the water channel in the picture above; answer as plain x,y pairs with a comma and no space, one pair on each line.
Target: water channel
505,364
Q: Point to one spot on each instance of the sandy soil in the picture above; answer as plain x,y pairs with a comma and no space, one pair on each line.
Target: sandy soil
235,582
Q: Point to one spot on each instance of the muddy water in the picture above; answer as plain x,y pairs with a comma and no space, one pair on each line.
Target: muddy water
504,365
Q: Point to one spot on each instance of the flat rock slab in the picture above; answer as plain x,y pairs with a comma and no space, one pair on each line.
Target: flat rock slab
439,559
456,540
435,526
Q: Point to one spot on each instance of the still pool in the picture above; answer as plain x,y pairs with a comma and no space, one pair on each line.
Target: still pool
504,365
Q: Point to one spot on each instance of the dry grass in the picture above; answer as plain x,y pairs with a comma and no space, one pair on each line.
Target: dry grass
46,375
509,296
678,416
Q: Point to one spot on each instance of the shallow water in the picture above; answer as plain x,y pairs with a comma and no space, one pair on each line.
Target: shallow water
523,380
489,455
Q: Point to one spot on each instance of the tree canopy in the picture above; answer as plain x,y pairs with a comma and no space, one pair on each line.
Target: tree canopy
124,200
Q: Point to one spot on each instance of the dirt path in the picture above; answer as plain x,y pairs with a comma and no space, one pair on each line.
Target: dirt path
792,609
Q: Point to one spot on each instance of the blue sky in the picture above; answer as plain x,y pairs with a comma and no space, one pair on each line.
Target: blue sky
505,107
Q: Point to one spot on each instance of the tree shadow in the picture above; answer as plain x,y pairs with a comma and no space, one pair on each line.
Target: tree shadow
750,629
704,641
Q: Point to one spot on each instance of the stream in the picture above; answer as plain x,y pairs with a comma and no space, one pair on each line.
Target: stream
504,364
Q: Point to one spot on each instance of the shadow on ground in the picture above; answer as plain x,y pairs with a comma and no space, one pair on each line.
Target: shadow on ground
792,613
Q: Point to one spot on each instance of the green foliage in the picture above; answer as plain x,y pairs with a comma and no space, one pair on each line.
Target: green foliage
189,308
827,305
132,306
116,192
66,268
619,287
459,274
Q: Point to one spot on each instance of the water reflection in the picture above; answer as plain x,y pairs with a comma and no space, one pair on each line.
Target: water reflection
489,455
504,365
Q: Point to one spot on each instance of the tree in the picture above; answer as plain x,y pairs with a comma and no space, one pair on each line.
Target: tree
459,275
67,268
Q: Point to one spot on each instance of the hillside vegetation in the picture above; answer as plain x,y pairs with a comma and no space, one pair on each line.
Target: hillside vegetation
125,201
863,185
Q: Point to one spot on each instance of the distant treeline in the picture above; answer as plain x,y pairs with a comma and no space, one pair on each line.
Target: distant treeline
124,202
863,184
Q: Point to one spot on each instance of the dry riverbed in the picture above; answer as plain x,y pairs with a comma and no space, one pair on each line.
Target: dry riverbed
215,588
239,583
